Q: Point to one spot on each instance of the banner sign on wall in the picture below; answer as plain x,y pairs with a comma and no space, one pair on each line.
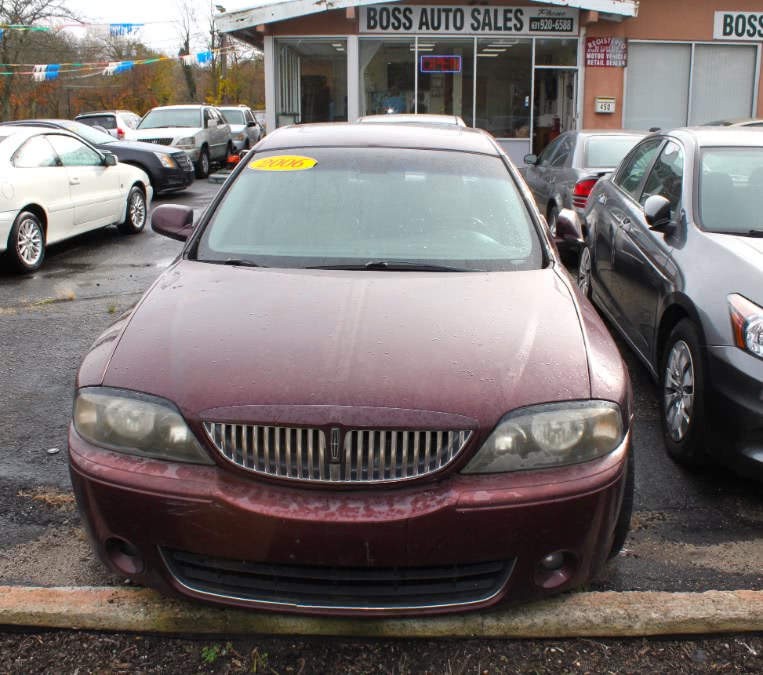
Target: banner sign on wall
607,52
738,26
473,20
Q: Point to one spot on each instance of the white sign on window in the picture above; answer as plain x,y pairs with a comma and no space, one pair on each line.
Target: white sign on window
738,26
473,20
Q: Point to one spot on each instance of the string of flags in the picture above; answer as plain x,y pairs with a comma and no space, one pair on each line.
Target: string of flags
44,72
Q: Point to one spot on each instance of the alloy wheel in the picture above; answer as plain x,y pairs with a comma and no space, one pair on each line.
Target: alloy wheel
29,243
137,209
678,393
584,271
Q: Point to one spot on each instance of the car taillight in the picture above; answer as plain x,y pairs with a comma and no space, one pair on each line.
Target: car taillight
581,191
120,133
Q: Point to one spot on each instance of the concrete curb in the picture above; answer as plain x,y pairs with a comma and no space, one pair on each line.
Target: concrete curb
606,614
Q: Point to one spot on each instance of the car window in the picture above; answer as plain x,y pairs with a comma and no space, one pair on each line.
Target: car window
548,152
160,118
666,177
74,152
248,115
606,152
105,121
442,207
35,153
563,155
731,189
233,116
632,171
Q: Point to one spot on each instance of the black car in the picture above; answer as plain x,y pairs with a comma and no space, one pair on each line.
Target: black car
168,168
674,259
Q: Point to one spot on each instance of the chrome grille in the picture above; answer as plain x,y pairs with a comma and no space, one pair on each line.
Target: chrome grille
182,159
159,141
366,456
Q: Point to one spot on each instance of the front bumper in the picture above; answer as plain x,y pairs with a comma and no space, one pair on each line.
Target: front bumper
735,399
230,523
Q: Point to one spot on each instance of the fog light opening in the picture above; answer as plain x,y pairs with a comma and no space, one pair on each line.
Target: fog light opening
124,557
555,569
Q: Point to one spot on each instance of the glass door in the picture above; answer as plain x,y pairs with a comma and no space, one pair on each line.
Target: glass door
554,109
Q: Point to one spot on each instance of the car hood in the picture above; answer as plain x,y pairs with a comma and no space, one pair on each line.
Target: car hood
166,132
210,336
139,145
748,249
235,128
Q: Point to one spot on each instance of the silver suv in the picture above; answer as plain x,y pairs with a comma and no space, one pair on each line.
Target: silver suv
200,130
245,130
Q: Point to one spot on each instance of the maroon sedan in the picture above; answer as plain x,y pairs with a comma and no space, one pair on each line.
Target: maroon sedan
366,386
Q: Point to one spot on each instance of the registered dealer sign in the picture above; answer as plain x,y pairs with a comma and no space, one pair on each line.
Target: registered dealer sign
738,26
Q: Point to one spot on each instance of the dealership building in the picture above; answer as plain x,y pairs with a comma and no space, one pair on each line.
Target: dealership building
524,71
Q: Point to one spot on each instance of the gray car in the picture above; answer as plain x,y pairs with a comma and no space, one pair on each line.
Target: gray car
674,259
562,176
245,130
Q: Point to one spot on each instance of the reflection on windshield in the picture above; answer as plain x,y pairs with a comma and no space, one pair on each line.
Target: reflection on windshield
91,135
355,205
233,116
731,189
171,117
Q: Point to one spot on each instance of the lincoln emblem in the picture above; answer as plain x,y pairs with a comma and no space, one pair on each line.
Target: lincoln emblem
334,456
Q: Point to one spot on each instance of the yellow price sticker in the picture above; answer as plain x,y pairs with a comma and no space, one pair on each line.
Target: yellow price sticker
283,163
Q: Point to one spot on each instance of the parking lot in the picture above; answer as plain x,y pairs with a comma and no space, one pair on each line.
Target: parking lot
692,531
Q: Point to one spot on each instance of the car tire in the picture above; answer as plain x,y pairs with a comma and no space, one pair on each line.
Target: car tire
623,524
202,165
136,212
685,430
26,243
583,278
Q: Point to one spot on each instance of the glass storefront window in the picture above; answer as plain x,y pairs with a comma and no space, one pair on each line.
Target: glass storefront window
549,52
387,76
504,78
312,77
446,84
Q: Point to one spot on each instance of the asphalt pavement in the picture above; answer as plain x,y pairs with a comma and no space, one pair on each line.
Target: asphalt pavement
693,531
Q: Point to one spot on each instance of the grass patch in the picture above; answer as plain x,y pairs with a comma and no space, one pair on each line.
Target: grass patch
50,497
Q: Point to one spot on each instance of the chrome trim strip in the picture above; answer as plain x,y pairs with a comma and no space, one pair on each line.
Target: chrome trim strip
364,608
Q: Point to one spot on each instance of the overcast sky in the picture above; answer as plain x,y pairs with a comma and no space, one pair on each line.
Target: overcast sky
163,36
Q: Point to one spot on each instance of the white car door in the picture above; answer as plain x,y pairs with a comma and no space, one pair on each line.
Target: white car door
95,187
39,178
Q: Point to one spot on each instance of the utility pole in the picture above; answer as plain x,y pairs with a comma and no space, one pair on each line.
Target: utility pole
223,61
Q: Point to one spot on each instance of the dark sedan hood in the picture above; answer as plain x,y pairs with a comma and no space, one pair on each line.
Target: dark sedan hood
475,344
139,145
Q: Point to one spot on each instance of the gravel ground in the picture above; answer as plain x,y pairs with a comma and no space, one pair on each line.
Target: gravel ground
77,653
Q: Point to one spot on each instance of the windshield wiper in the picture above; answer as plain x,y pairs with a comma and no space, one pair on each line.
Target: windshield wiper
748,233
396,266
236,262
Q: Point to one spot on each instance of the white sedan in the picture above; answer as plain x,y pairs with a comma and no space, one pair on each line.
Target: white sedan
54,186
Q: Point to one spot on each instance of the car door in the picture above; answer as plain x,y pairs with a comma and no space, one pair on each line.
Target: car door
614,201
219,134
643,271
252,129
95,188
40,178
536,175
560,173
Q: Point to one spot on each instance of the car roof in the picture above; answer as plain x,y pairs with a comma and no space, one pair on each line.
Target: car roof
611,132
413,118
184,106
718,136
31,129
358,135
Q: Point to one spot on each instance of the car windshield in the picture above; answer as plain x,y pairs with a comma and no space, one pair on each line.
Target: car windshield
234,116
171,117
606,152
91,135
359,207
731,190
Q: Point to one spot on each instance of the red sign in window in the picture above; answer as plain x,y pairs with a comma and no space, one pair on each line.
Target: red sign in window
440,64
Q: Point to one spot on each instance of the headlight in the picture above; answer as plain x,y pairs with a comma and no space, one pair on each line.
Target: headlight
136,424
553,434
166,160
747,324
187,142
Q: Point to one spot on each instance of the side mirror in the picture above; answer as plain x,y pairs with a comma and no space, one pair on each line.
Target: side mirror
211,124
173,220
251,124
109,159
568,226
657,214
531,159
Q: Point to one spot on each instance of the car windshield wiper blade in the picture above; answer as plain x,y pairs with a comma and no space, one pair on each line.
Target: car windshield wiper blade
236,262
746,233
396,266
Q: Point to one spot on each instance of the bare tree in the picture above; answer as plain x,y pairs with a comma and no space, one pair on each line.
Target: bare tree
187,23
17,43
